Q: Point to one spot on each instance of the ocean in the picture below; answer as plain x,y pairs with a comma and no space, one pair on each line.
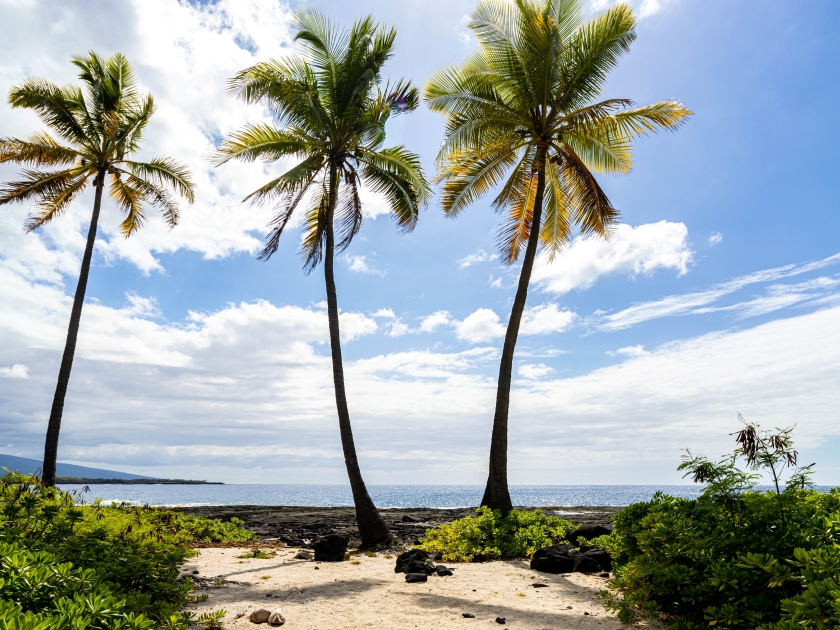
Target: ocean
392,496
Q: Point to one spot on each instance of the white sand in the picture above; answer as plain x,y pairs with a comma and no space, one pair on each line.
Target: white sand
343,595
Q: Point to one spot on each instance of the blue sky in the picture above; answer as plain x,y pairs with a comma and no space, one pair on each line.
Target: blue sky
717,294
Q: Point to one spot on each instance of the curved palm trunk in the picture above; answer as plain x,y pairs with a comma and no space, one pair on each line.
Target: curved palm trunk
54,426
496,495
372,529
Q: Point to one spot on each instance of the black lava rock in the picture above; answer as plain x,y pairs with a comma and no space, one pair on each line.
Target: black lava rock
554,559
416,577
601,557
480,557
586,564
468,615
408,519
587,531
330,548
414,561
501,620
443,571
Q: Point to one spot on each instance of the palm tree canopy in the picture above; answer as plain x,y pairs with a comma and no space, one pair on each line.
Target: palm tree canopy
101,125
525,102
333,108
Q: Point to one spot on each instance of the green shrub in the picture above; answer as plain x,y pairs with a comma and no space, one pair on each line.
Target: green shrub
734,557
93,566
518,534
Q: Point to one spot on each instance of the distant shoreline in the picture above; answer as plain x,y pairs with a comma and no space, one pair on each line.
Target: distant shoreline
135,482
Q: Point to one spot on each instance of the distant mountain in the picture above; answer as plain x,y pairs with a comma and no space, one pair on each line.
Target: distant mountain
29,466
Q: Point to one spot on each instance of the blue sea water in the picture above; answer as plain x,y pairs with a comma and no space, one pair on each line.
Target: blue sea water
384,496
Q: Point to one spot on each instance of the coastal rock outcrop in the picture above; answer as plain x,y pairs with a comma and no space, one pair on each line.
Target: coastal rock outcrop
330,548
415,561
567,559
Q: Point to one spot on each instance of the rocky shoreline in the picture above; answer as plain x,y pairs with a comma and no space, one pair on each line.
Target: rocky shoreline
298,526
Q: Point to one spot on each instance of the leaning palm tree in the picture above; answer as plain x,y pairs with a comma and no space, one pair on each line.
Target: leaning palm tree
522,116
101,126
333,109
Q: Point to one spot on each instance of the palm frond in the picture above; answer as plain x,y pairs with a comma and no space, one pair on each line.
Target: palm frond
40,149
315,230
260,141
164,172
130,201
556,229
514,231
55,106
466,177
588,204
396,174
296,179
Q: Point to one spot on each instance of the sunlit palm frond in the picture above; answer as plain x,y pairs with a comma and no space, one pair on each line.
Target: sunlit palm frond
516,227
52,191
164,172
293,181
589,205
260,141
590,53
468,177
556,230
396,174
315,229
348,212
40,149
130,201
55,106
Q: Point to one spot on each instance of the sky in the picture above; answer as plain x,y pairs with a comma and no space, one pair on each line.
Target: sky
718,293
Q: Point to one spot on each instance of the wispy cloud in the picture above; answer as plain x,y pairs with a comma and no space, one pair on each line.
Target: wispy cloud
778,296
473,259
362,264
714,239
15,371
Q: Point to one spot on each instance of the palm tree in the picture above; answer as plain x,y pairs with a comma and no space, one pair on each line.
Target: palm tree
102,126
524,103
333,110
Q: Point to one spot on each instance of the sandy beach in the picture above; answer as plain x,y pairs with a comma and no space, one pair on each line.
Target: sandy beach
366,593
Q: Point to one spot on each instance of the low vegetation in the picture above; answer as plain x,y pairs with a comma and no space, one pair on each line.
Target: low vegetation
735,557
493,536
64,564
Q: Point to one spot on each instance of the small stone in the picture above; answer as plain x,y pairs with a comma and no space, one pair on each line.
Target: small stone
443,571
468,615
316,568
276,618
604,574
416,577
195,572
585,613
538,585
259,616
303,555
568,607
501,620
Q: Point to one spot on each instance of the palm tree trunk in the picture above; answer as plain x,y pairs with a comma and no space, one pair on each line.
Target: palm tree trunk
496,495
372,529
54,426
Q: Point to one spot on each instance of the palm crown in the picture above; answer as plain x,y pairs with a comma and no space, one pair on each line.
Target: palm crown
102,126
523,103
334,109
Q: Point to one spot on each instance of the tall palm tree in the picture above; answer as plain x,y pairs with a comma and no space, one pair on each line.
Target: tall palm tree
333,109
101,125
524,107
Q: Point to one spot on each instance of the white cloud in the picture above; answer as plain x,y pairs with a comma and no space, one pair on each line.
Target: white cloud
182,53
434,321
481,326
473,259
630,250
779,296
546,319
642,8
362,264
398,329
533,371
15,371
387,313
715,238
630,351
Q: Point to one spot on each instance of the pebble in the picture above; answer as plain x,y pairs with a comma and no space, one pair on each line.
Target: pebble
260,615
468,615
501,620
276,618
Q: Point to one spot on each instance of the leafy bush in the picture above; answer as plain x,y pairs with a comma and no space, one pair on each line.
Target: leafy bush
518,534
734,557
93,566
